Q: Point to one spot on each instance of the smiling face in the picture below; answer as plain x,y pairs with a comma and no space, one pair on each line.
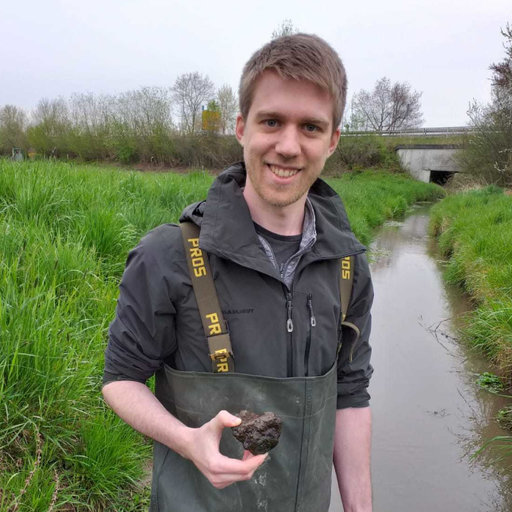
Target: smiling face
287,136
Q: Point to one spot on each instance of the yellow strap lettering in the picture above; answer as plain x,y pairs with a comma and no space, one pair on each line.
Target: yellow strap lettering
214,324
345,268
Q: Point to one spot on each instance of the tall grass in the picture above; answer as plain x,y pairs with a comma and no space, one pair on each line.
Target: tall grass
474,230
371,198
65,232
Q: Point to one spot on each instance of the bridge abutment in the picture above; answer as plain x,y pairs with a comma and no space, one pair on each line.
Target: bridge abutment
429,162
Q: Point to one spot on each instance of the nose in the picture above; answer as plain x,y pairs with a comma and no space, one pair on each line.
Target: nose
288,143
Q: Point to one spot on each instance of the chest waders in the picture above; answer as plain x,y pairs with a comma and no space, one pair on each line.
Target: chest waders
296,477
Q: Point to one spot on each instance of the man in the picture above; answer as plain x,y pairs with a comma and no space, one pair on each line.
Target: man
274,235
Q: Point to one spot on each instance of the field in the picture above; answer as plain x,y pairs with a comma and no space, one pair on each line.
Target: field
475,235
65,231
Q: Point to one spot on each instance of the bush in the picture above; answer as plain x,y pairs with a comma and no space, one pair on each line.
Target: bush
206,151
362,152
359,152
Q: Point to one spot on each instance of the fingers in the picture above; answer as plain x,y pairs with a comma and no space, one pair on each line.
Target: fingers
225,471
220,470
248,455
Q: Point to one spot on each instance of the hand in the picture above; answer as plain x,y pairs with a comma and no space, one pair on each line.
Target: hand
203,451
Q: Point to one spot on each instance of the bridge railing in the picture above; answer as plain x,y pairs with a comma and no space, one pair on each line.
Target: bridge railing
447,130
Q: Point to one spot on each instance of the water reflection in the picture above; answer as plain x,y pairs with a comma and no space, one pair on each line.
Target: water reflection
429,415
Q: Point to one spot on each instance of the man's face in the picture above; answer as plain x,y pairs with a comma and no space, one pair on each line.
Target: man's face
287,137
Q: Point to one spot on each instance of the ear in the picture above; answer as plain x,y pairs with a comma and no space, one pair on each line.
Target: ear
240,128
333,144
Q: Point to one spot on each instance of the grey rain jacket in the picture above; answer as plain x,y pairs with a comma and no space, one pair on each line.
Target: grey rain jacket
157,319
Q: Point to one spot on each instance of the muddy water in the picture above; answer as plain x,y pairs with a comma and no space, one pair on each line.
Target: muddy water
429,415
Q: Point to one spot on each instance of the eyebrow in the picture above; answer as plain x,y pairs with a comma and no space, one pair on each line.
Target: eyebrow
271,114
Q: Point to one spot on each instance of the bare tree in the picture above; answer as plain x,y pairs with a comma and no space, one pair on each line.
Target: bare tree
90,113
502,71
286,28
228,107
13,121
388,107
190,92
145,110
51,126
488,154
52,113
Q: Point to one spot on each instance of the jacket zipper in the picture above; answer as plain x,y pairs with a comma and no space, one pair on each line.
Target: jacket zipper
312,323
289,329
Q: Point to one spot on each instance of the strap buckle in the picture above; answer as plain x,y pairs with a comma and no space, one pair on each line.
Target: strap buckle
221,353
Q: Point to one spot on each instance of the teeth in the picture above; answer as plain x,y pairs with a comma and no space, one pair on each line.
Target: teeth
283,173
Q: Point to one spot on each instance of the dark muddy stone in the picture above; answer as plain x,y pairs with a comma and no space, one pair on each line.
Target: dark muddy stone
259,433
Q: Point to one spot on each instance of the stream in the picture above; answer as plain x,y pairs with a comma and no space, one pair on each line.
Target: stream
429,415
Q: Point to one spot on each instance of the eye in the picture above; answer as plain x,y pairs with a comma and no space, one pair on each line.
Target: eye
312,128
271,123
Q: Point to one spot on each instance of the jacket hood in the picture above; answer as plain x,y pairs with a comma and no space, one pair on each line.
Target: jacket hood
227,229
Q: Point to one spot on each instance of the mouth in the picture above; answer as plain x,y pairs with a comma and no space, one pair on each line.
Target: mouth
282,172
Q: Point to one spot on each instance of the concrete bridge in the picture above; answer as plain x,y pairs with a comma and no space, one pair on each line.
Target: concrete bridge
434,163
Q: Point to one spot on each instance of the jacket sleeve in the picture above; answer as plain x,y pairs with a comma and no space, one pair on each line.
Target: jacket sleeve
142,334
354,368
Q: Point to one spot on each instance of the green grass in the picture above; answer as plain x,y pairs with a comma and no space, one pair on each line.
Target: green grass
65,232
474,230
371,198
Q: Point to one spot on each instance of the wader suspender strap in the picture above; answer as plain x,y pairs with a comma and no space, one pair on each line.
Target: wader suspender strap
219,342
346,282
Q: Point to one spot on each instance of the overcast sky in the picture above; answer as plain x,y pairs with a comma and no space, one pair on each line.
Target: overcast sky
51,48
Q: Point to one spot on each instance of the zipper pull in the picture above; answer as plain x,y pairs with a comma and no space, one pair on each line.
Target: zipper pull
311,313
289,321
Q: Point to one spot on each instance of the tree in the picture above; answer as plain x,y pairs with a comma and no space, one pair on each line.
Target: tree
488,154
51,125
13,121
388,107
286,28
228,107
190,92
502,77
89,133
145,109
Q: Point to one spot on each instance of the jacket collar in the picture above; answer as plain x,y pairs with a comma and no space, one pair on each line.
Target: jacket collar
227,229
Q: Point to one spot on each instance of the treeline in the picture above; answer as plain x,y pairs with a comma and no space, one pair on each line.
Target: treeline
161,127
138,127
135,126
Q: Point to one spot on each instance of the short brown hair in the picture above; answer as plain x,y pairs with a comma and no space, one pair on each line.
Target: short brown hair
298,57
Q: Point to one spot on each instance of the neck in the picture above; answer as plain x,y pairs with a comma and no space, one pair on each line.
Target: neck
283,220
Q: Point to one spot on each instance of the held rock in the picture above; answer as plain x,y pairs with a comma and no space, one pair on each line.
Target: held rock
259,433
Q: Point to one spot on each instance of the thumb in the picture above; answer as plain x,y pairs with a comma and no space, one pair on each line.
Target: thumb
225,419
